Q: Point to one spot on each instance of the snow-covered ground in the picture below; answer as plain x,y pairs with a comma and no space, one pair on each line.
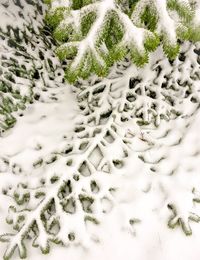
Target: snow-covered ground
46,124
146,177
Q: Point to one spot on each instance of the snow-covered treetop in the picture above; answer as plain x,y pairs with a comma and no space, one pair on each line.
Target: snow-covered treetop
93,34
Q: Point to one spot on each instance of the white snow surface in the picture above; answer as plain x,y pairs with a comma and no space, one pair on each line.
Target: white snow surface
46,124
142,194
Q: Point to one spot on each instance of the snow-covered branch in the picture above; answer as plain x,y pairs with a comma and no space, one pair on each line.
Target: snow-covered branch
105,31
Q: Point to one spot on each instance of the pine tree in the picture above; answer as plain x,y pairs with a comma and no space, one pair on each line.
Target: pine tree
94,34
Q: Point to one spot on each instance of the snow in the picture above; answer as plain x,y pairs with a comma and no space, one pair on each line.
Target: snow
142,173
38,134
166,23
150,239
59,3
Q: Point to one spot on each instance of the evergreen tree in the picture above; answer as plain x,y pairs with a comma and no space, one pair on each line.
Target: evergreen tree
93,34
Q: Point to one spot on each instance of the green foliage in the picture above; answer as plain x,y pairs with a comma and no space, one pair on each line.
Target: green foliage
55,16
93,36
117,53
113,31
138,58
86,23
191,33
77,4
89,64
149,18
151,43
184,11
47,2
194,34
171,51
66,51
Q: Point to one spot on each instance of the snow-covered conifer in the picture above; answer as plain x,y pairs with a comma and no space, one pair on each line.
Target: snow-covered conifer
93,34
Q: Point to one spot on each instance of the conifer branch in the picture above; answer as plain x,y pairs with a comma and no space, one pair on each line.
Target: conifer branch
93,35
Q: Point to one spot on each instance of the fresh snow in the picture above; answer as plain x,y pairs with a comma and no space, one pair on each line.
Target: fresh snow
47,124
158,166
